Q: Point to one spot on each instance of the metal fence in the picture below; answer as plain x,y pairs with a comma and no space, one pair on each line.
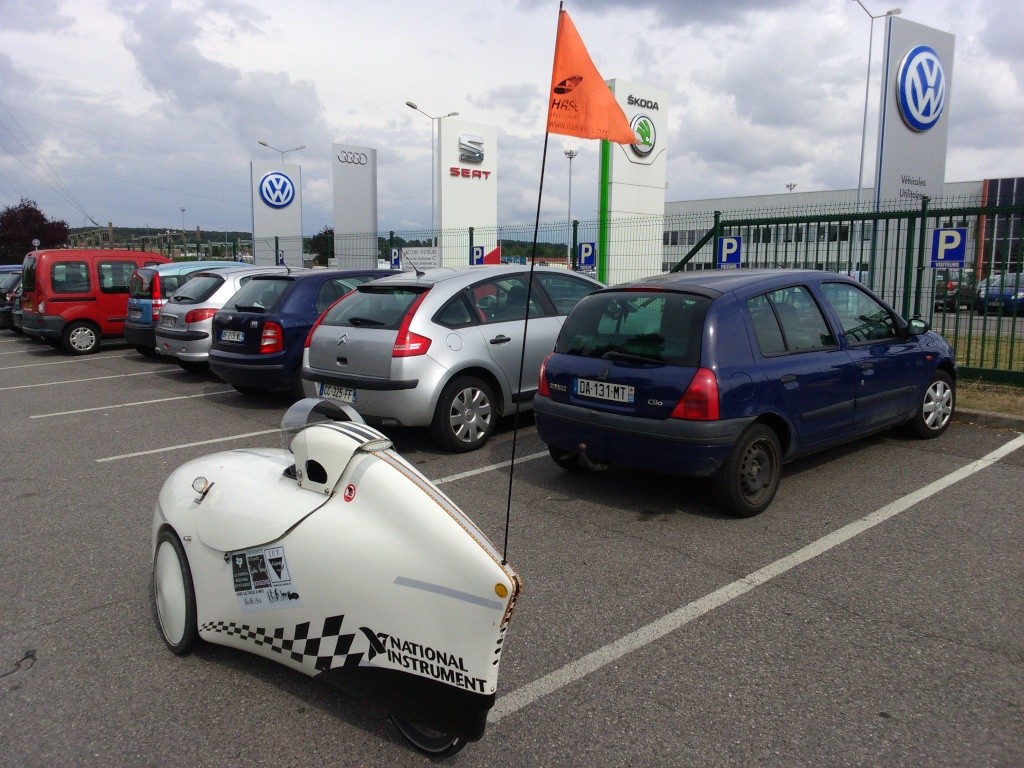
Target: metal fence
890,252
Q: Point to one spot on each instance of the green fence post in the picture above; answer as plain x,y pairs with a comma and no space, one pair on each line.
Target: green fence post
919,274
717,228
575,243
470,245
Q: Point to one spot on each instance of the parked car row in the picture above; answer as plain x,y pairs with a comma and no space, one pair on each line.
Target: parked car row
724,374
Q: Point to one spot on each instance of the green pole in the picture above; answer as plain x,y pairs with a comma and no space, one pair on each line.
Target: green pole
919,276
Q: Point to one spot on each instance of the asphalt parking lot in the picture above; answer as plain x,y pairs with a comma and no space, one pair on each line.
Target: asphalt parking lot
873,616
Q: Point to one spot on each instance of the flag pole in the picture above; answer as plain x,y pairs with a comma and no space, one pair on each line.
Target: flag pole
526,321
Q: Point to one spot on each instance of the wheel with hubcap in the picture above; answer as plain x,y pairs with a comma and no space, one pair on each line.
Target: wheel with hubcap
174,597
749,477
81,338
427,740
466,415
935,410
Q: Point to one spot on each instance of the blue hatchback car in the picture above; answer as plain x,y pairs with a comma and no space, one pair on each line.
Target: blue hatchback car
728,374
149,288
258,344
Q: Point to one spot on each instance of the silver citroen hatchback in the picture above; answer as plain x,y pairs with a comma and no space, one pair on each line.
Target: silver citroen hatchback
186,321
441,348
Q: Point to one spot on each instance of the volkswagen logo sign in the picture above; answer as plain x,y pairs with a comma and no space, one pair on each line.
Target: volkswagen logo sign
277,190
921,88
646,137
353,158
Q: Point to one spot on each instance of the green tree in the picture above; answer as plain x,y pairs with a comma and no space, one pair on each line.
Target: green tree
322,244
21,224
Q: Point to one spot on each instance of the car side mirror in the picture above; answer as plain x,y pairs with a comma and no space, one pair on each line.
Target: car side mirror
916,327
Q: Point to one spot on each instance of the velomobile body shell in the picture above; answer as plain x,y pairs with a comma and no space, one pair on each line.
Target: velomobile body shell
352,567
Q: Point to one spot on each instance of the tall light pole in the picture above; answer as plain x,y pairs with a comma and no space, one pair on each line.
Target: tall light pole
182,209
433,143
282,151
867,87
571,154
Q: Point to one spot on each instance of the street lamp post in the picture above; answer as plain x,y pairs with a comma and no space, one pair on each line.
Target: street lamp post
571,154
282,151
433,143
867,87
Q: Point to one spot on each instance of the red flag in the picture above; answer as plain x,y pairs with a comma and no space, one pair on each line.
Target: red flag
580,103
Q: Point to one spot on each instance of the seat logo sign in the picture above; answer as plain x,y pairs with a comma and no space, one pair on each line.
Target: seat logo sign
921,88
277,190
471,148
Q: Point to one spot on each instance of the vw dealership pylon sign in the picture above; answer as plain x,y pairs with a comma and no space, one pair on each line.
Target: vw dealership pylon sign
917,76
276,213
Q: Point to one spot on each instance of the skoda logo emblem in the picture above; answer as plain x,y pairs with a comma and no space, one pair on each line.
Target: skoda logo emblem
643,129
277,190
921,88
353,158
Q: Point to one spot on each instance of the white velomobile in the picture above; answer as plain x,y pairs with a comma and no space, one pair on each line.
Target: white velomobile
336,557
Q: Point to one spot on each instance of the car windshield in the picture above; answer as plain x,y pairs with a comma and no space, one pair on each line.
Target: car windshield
636,326
260,294
201,287
372,306
141,284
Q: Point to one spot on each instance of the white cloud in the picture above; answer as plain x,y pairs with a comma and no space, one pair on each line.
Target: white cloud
131,110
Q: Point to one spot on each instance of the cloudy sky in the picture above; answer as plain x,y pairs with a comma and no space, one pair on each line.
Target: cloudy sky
129,111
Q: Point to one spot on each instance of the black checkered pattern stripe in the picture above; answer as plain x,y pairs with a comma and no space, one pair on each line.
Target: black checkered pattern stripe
328,649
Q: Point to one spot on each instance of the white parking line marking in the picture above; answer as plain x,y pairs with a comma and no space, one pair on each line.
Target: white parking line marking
188,445
130,405
60,362
488,468
81,381
577,670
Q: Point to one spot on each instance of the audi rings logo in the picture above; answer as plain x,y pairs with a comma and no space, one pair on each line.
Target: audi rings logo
921,88
353,158
277,190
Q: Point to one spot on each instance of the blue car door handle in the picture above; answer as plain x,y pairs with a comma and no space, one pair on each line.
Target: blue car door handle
789,381
867,367
502,339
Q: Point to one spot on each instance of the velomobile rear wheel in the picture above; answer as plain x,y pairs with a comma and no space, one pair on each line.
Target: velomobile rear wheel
427,740
174,597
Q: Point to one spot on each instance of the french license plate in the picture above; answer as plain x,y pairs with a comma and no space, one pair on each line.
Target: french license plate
167,319
344,394
135,314
232,335
603,390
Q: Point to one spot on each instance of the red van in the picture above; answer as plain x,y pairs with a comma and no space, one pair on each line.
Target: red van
75,297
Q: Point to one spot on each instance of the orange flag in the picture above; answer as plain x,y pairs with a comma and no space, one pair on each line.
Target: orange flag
580,103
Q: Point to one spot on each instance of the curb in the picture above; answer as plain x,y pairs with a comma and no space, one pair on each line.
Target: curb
989,419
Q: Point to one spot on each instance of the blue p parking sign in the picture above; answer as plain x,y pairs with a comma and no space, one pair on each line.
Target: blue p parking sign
396,259
476,254
585,256
949,248
729,251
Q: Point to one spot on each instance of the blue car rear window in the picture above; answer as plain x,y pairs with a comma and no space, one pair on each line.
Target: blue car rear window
656,326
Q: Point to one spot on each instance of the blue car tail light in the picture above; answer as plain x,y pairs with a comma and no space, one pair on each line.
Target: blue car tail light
700,401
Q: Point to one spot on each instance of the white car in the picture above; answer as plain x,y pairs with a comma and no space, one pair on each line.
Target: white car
337,558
